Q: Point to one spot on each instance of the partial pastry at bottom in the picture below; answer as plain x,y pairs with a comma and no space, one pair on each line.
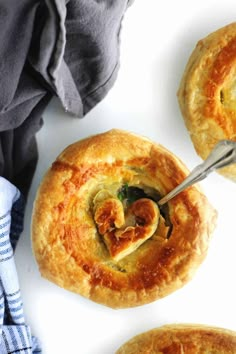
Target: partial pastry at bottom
182,339
97,229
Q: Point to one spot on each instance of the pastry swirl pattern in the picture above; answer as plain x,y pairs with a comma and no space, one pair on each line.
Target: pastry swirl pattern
117,251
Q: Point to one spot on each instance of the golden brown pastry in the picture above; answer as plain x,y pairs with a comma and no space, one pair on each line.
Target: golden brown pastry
97,229
207,93
182,339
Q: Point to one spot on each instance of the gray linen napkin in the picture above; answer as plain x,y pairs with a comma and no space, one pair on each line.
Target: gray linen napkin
47,47
51,47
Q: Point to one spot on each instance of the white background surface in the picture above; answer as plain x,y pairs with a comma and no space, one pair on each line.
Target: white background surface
156,40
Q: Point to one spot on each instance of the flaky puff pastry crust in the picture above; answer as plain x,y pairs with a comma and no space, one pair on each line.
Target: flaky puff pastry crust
182,339
207,93
68,248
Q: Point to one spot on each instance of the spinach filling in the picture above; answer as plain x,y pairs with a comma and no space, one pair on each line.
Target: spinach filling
130,194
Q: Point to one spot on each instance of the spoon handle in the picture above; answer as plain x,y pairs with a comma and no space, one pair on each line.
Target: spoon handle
223,154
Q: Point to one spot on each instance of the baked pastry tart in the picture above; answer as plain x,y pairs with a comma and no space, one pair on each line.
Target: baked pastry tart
207,93
97,229
179,339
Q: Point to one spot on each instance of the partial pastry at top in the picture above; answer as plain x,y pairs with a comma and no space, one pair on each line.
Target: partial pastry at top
97,229
207,93
180,339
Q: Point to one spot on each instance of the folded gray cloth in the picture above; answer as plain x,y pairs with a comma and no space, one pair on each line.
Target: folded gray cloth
51,47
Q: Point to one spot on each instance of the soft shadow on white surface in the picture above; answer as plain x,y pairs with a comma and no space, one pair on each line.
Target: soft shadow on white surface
157,39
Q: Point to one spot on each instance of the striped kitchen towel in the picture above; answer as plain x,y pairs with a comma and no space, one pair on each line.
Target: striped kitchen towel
15,335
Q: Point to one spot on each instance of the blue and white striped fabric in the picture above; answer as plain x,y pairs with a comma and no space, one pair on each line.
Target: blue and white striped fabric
15,335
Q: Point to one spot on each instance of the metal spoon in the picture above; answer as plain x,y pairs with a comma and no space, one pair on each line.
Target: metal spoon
223,154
